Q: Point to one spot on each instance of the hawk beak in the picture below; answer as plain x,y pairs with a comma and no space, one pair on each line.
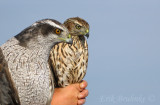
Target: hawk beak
69,40
87,34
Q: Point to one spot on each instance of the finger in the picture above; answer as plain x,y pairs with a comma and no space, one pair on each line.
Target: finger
83,84
83,94
81,101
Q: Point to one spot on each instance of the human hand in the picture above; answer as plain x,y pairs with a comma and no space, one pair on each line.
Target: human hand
73,94
83,93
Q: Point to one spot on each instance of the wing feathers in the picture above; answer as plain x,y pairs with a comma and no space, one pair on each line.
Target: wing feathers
8,94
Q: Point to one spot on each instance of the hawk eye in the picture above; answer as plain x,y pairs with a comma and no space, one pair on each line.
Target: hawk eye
57,31
78,27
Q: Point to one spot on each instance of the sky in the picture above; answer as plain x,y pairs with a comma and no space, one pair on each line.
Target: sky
124,44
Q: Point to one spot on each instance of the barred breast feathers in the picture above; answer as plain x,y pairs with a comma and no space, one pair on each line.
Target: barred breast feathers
27,69
69,62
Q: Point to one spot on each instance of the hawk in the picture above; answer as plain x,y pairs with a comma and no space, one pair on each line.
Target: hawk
25,76
69,62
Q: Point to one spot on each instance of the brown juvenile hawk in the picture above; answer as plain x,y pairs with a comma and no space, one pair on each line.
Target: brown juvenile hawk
69,62
25,77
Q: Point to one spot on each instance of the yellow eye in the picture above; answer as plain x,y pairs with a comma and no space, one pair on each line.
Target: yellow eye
58,31
78,26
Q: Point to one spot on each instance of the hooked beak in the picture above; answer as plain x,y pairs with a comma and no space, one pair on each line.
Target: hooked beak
68,40
87,33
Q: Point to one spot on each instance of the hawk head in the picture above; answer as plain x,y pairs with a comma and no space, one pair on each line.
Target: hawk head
77,26
44,33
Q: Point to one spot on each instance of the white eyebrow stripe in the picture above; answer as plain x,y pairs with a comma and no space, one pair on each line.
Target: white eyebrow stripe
50,23
78,23
53,24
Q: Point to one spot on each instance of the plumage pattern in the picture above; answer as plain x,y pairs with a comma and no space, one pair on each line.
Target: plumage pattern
69,62
8,94
25,77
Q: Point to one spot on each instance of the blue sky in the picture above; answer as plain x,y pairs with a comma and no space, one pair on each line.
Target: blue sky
124,44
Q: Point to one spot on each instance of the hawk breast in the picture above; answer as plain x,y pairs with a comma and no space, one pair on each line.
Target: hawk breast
69,62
